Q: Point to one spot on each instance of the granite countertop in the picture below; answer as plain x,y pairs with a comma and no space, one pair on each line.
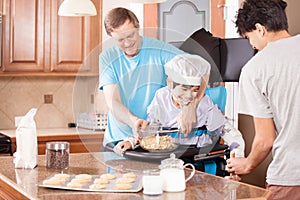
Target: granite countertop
201,186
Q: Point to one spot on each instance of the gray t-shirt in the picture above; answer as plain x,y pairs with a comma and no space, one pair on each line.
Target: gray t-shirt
269,88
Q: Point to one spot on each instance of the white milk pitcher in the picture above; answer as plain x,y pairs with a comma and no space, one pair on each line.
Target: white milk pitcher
172,174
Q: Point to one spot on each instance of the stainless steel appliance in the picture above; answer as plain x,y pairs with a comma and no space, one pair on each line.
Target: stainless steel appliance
5,145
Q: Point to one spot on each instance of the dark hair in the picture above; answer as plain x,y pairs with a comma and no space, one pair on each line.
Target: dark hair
117,17
269,13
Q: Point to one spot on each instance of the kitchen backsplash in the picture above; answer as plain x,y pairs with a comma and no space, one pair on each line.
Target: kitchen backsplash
70,96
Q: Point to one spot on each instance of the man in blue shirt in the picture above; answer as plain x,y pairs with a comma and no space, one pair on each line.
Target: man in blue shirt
130,73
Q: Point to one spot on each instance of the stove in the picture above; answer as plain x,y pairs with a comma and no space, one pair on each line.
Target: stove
5,145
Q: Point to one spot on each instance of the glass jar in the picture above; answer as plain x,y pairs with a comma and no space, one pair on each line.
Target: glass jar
57,155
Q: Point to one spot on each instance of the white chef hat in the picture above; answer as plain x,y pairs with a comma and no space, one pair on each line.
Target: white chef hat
187,69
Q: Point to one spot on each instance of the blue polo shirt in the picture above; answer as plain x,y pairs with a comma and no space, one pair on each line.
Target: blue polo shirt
138,78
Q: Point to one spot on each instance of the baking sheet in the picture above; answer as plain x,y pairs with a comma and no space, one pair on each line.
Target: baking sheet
136,185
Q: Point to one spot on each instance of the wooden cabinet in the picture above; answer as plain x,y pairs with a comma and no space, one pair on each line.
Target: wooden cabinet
83,143
81,140
79,143
37,40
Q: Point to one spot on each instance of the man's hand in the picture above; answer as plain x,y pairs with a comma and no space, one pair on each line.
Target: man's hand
121,147
234,177
238,166
262,144
138,125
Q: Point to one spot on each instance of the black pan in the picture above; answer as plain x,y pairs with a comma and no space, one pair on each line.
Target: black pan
183,151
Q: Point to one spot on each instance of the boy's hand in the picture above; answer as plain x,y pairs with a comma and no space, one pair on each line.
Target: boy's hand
186,119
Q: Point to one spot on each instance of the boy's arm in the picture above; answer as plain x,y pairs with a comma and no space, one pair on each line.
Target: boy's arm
187,117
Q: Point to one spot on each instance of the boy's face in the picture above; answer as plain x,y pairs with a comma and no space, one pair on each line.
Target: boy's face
185,94
257,37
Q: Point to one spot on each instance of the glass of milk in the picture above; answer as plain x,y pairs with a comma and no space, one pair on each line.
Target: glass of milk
152,182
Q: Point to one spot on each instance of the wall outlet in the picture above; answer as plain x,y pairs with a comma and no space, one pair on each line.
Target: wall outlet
48,98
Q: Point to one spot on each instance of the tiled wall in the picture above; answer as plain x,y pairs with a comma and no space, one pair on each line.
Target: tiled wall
71,96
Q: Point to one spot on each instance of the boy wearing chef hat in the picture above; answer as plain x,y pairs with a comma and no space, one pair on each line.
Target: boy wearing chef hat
187,75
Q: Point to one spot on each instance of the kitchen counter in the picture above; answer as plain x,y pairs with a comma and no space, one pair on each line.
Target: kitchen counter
81,140
23,183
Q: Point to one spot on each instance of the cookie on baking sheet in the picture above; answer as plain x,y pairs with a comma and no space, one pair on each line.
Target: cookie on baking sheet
83,176
101,181
125,180
62,176
74,185
53,182
123,186
130,175
97,186
81,181
108,176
